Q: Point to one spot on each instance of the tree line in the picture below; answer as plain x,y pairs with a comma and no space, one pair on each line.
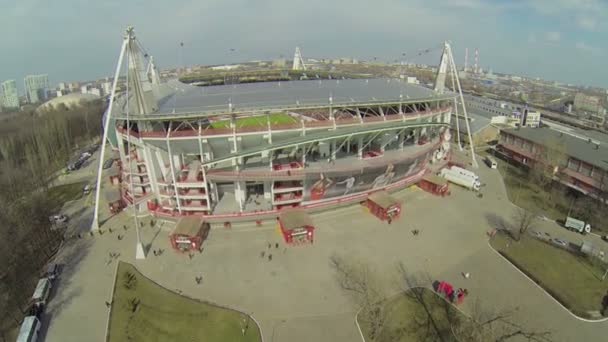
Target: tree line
34,146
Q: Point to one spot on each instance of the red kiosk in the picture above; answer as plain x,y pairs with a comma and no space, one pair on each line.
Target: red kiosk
383,206
114,175
296,226
435,185
189,234
115,202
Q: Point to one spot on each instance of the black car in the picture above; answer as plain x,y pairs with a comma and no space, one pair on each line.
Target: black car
108,163
605,238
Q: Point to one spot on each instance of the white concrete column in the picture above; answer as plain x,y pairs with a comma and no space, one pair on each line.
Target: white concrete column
177,163
161,164
151,170
268,190
360,146
240,194
333,150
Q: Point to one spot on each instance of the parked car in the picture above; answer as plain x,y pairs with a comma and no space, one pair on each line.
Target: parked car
605,238
108,163
52,271
560,242
538,234
58,219
87,189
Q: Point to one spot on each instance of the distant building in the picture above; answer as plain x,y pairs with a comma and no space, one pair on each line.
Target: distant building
36,88
106,88
62,86
530,118
586,103
589,108
95,91
279,63
10,96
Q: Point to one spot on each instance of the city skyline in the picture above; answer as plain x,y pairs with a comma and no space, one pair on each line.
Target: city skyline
555,40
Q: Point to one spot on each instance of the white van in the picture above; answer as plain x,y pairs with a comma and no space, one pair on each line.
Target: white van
43,289
491,162
29,329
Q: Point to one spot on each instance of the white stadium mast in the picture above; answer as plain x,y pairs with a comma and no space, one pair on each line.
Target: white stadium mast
140,99
447,65
298,61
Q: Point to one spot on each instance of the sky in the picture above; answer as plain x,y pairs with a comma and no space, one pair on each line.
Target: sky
75,40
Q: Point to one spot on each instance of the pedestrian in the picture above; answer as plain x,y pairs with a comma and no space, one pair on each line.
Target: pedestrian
269,257
269,245
262,254
108,304
276,245
190,255
120,237
154,251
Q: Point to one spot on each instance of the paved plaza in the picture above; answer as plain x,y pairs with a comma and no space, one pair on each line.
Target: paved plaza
295,297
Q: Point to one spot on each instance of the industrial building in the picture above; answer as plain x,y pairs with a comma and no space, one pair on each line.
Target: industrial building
580,164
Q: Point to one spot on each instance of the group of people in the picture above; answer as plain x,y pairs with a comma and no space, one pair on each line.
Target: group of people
264,254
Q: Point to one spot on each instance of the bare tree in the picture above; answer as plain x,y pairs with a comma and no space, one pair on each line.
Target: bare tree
549,160
524,218
363,285
439,320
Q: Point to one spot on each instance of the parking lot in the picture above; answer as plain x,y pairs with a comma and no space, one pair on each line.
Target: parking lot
295,297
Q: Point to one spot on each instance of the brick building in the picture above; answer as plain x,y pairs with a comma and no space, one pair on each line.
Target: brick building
577,163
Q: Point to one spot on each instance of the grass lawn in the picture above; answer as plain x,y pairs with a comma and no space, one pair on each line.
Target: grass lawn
275,119
163,315
525,194
573,280
61,194
404,312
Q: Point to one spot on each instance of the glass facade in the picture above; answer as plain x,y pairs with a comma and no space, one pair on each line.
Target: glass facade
36,87
10,96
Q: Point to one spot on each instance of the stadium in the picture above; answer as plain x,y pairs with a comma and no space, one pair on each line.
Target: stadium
250,150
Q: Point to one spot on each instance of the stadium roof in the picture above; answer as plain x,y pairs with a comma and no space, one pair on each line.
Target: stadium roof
588,152
213,100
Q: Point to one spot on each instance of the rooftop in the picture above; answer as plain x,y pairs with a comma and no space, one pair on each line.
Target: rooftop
295,218
383,199
189,99
189,226
588,152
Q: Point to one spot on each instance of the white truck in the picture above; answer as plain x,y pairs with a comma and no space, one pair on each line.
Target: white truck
466,180
577,225
465,172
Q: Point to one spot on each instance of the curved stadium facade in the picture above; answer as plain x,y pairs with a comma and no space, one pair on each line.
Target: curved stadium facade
250,150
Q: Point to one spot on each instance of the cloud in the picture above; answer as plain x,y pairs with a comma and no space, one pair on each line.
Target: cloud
588,14
587,23
553,36
588,48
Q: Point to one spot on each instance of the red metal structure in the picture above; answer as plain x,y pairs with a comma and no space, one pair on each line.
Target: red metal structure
383,206
296,226
189,234
435,185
